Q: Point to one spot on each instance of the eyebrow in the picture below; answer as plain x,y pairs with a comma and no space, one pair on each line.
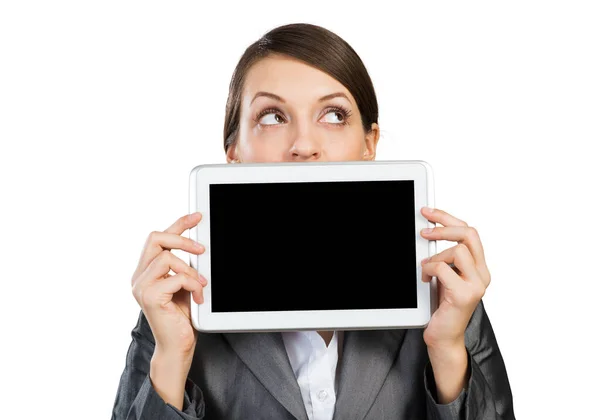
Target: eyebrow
280,99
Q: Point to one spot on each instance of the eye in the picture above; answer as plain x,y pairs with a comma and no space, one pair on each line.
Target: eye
338,115
269,117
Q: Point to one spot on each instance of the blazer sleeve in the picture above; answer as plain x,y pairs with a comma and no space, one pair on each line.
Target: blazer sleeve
488,395
136,397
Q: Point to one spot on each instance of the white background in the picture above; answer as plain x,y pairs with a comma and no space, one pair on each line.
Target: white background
106,106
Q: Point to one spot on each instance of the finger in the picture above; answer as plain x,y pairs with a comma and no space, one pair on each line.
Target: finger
442,217
156,240
170,239
161,293
184,223
445,275
467,235
174,284
165,262
160,241
459,258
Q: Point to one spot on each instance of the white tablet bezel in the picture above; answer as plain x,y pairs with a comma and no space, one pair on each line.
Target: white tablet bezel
203,175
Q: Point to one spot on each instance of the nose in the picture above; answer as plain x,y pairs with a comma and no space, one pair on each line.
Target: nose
306,146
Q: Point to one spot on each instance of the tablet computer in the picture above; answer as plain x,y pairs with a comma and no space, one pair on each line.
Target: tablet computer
312,245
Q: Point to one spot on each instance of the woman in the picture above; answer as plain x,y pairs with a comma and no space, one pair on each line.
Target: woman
301,93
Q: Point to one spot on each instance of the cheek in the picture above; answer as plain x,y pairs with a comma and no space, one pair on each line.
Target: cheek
345,146
258,147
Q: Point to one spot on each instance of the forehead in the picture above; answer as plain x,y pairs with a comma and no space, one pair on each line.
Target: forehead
292,79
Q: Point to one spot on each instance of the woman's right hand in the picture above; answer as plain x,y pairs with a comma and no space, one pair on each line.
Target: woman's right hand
165,298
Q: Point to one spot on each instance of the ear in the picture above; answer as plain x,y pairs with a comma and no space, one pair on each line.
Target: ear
232,154
371,140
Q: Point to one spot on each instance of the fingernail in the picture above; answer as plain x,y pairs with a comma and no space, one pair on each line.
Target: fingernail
424,260
427,230
428,209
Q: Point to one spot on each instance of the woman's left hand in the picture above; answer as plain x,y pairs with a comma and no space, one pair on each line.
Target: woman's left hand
460,288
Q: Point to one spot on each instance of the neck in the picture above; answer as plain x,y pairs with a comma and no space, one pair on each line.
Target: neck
327,336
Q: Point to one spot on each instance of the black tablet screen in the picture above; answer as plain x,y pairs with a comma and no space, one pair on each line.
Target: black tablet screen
313,246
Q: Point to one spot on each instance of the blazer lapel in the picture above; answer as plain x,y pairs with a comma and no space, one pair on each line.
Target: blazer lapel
265,356
367,357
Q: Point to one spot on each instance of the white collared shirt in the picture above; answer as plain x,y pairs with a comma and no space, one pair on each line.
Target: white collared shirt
315,366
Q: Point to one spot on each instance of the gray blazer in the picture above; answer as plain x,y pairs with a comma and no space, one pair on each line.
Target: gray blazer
384,374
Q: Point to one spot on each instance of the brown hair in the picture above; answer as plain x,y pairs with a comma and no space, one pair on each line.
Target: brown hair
315,46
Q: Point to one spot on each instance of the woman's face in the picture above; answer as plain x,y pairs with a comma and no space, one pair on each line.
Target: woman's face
291,111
